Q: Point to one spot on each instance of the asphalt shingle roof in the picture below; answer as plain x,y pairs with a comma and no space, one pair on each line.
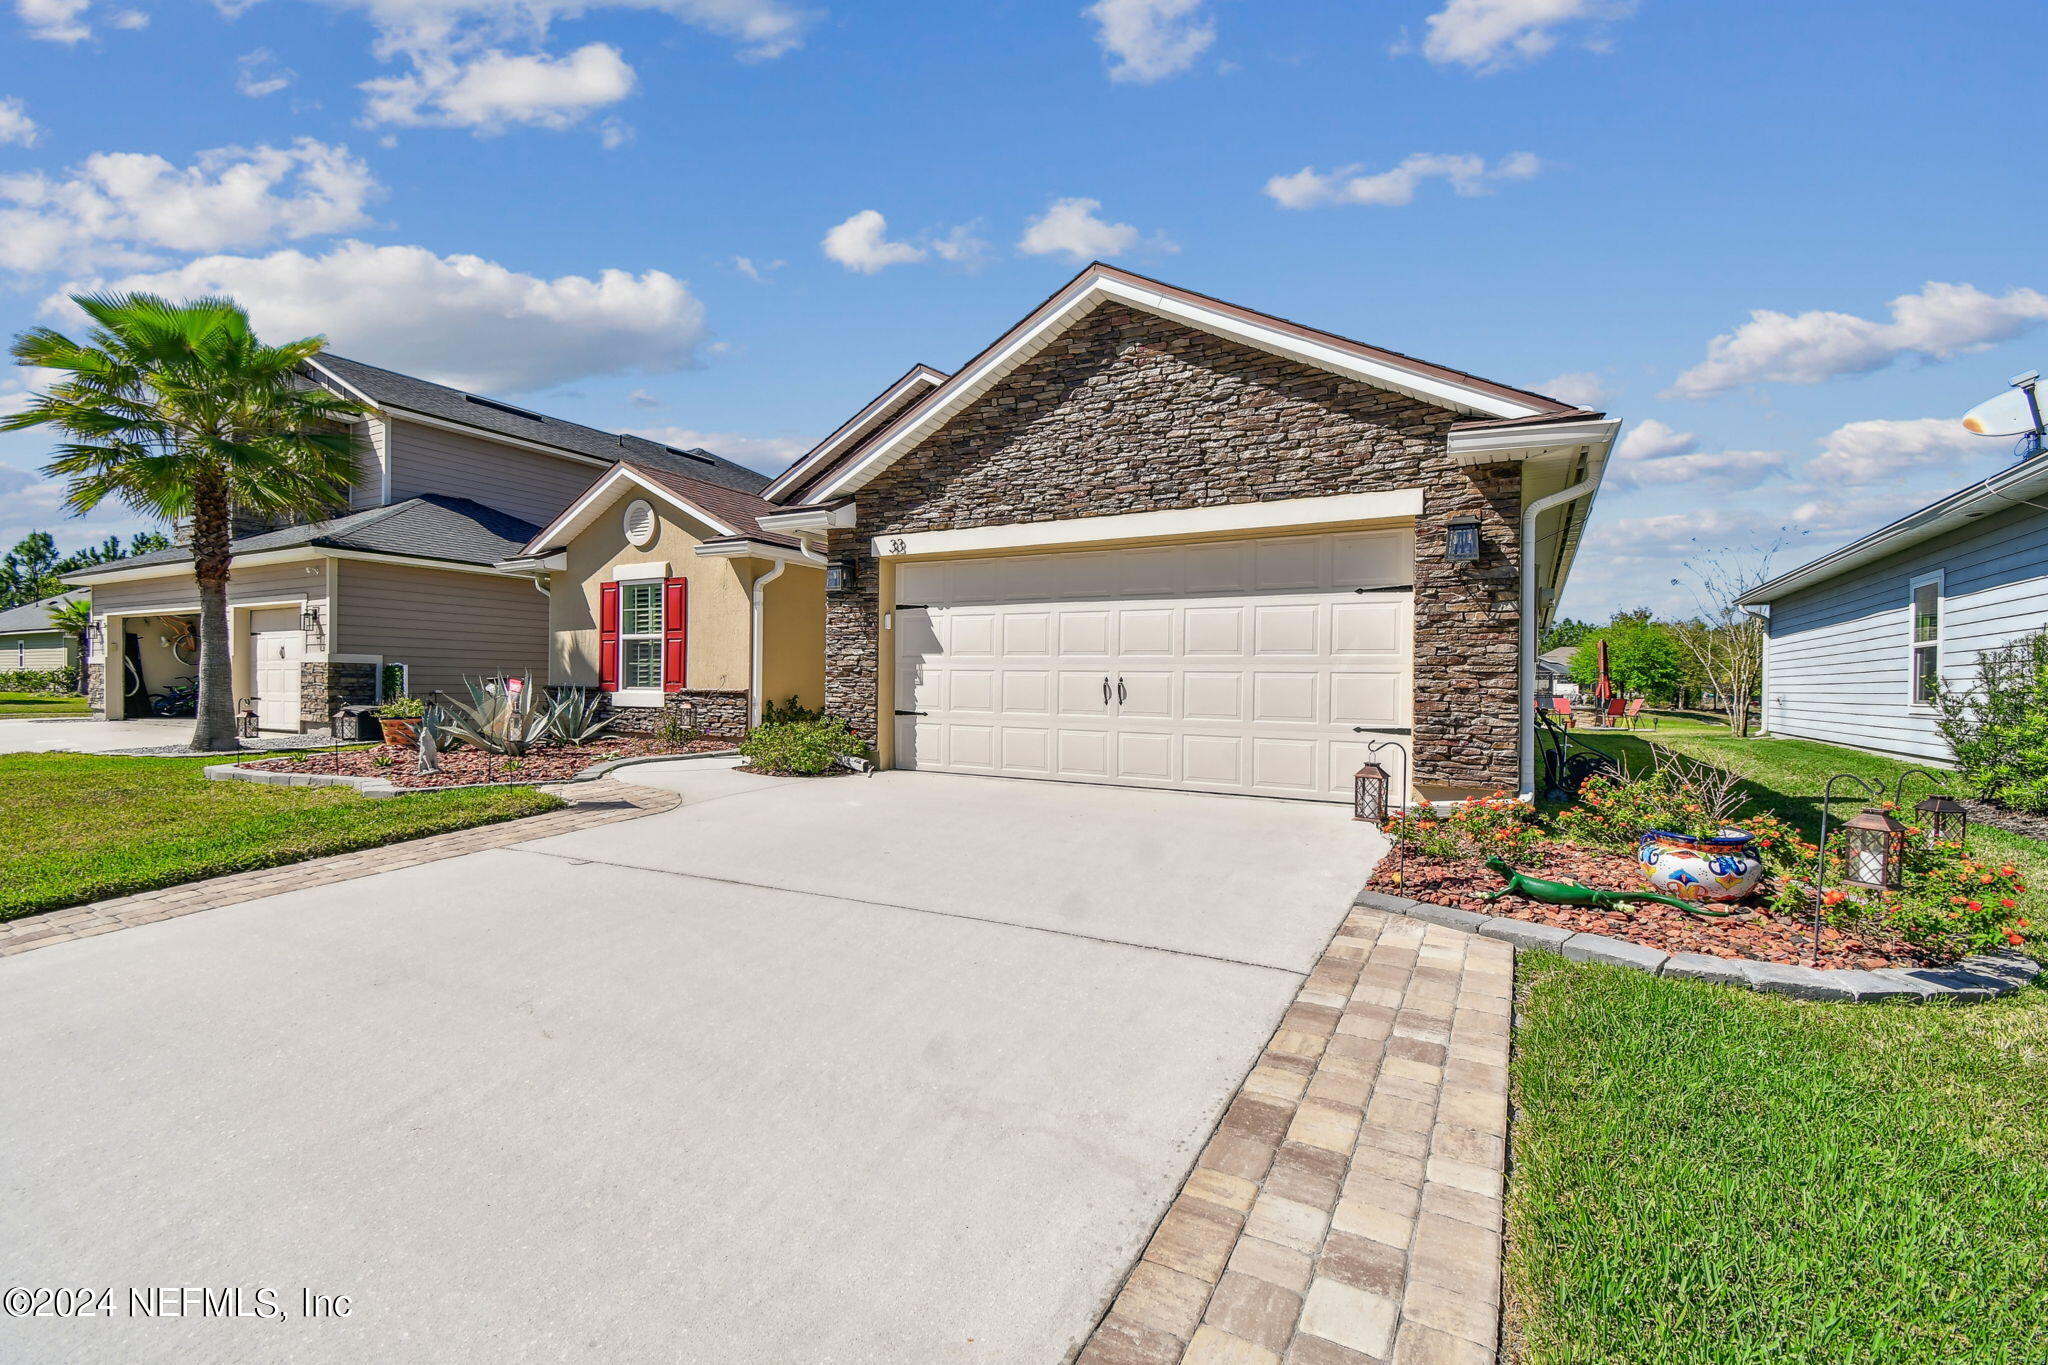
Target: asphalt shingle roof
31,618
405,392
428,527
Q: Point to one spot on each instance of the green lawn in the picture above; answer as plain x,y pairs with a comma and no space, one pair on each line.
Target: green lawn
1711,1175
22,705
82,827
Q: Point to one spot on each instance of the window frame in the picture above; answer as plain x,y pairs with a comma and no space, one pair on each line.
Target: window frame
1938,580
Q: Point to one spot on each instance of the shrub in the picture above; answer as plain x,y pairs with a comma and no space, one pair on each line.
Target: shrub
791,712
577,717
1998,728
674,732
800,746
52,680
1423,831
1951,905
403,708
1495,826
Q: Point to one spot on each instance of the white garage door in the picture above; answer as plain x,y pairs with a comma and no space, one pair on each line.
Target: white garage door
1260,667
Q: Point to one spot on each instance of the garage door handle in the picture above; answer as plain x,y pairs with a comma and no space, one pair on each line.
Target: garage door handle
1105,689
1120,694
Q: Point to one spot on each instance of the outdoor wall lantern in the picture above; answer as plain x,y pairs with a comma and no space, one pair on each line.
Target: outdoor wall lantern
1944,819
840,575
1461,540
1874,851
309,619
1369,794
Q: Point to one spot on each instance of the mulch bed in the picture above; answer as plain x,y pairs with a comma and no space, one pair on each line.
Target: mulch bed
834,771
1755,933
463,767
2012,821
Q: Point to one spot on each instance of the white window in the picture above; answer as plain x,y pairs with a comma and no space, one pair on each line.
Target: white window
640,635
1926,661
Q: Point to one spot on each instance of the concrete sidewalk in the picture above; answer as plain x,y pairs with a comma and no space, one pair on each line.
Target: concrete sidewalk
890,1069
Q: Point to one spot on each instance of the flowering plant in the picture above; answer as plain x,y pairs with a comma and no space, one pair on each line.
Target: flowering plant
1496,826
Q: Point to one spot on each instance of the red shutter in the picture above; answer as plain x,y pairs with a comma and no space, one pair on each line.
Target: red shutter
608,636
675,620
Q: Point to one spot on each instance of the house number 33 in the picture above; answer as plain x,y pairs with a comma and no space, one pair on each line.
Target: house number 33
896,545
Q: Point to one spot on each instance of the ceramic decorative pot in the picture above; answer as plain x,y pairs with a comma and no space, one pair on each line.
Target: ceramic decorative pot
404,734
1717,867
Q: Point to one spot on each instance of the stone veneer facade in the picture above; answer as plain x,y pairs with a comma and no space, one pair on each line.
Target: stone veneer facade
326,688
1129,412
719,713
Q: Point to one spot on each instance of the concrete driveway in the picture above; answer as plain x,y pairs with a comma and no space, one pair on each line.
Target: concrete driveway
891,1069
83,736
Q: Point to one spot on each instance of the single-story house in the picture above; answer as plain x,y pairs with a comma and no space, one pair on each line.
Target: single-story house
30,644
1858,639
1151,538
1554,673
666,592
448,484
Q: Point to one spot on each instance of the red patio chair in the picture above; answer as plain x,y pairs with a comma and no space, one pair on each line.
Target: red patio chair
1615,709
1634,713
1561,707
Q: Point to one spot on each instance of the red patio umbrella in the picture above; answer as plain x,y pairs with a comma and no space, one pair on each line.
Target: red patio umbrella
1604,688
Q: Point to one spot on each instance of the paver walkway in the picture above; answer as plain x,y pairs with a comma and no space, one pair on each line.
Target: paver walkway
1348,1208
590,803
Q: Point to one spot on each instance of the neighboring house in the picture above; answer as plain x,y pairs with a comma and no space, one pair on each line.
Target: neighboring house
30,644
666,592
1858,638
448,484
1154,539
1554,673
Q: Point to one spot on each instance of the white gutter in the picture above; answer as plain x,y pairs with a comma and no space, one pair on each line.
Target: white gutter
755,687
1527,728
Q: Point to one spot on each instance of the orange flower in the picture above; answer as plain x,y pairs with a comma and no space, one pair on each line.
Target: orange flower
2010,904
1834,897
2014,939
1986,879
2009,870
1955,900
1976,906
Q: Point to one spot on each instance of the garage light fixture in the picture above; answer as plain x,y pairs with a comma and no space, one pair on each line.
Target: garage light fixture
309,618
840,575
1461,540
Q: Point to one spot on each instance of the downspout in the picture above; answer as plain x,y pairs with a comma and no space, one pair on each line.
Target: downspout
1527,727
755,688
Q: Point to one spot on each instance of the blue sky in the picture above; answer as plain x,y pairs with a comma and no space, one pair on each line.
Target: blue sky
1789,248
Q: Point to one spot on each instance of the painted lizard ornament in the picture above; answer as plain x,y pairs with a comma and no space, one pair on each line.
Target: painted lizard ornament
1572,893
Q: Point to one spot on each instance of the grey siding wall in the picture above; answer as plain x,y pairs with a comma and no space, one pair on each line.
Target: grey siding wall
36,652
247,583
525,483
447,626
371,453
1837,665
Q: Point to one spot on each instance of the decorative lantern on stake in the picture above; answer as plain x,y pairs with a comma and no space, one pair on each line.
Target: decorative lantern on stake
1369,794
1874,851
1944,819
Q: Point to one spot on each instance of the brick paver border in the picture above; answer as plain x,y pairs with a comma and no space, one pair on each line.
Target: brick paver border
590,803
1348,1208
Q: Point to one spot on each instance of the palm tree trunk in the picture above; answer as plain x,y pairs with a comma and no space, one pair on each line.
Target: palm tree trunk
211,556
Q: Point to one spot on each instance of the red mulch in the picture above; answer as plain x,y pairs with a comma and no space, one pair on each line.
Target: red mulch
1754,933
461,767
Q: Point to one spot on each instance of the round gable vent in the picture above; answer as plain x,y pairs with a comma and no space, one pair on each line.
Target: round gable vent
640,522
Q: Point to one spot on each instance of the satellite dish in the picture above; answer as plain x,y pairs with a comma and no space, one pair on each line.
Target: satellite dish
2012,413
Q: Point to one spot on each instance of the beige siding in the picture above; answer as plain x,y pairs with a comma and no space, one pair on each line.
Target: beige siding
371,453
720,645
793,640
37,652
525,483
446,626
304,583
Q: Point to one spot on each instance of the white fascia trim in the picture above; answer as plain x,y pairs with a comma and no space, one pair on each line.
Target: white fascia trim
578,515
485,434
969,384
810,519
761,549
857,426
1284,515
183,568
1497,445
531,564
628,573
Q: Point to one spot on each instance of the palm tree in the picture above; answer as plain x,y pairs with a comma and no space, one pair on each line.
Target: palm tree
74,618
177,410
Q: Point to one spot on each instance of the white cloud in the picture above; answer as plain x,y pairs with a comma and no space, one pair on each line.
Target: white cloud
117,209
130,19
861,243
757,271
641,398
613,133
461,320
1583,387
1940,321
1652,454
1072,226
1490,35
258,74
768,454
15,124
1465,174
1149,40
962,246
497,89
55,21
1862,451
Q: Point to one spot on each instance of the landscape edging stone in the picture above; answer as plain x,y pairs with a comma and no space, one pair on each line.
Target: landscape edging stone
379,787
1985,976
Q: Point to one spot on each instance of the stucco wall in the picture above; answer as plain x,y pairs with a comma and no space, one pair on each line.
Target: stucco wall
793,644
1131,413
718,652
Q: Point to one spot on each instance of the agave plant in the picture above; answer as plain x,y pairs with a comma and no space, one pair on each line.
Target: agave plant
577,717
496,720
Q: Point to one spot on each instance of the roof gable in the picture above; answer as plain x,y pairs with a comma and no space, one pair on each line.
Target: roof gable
728,512
1099,284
